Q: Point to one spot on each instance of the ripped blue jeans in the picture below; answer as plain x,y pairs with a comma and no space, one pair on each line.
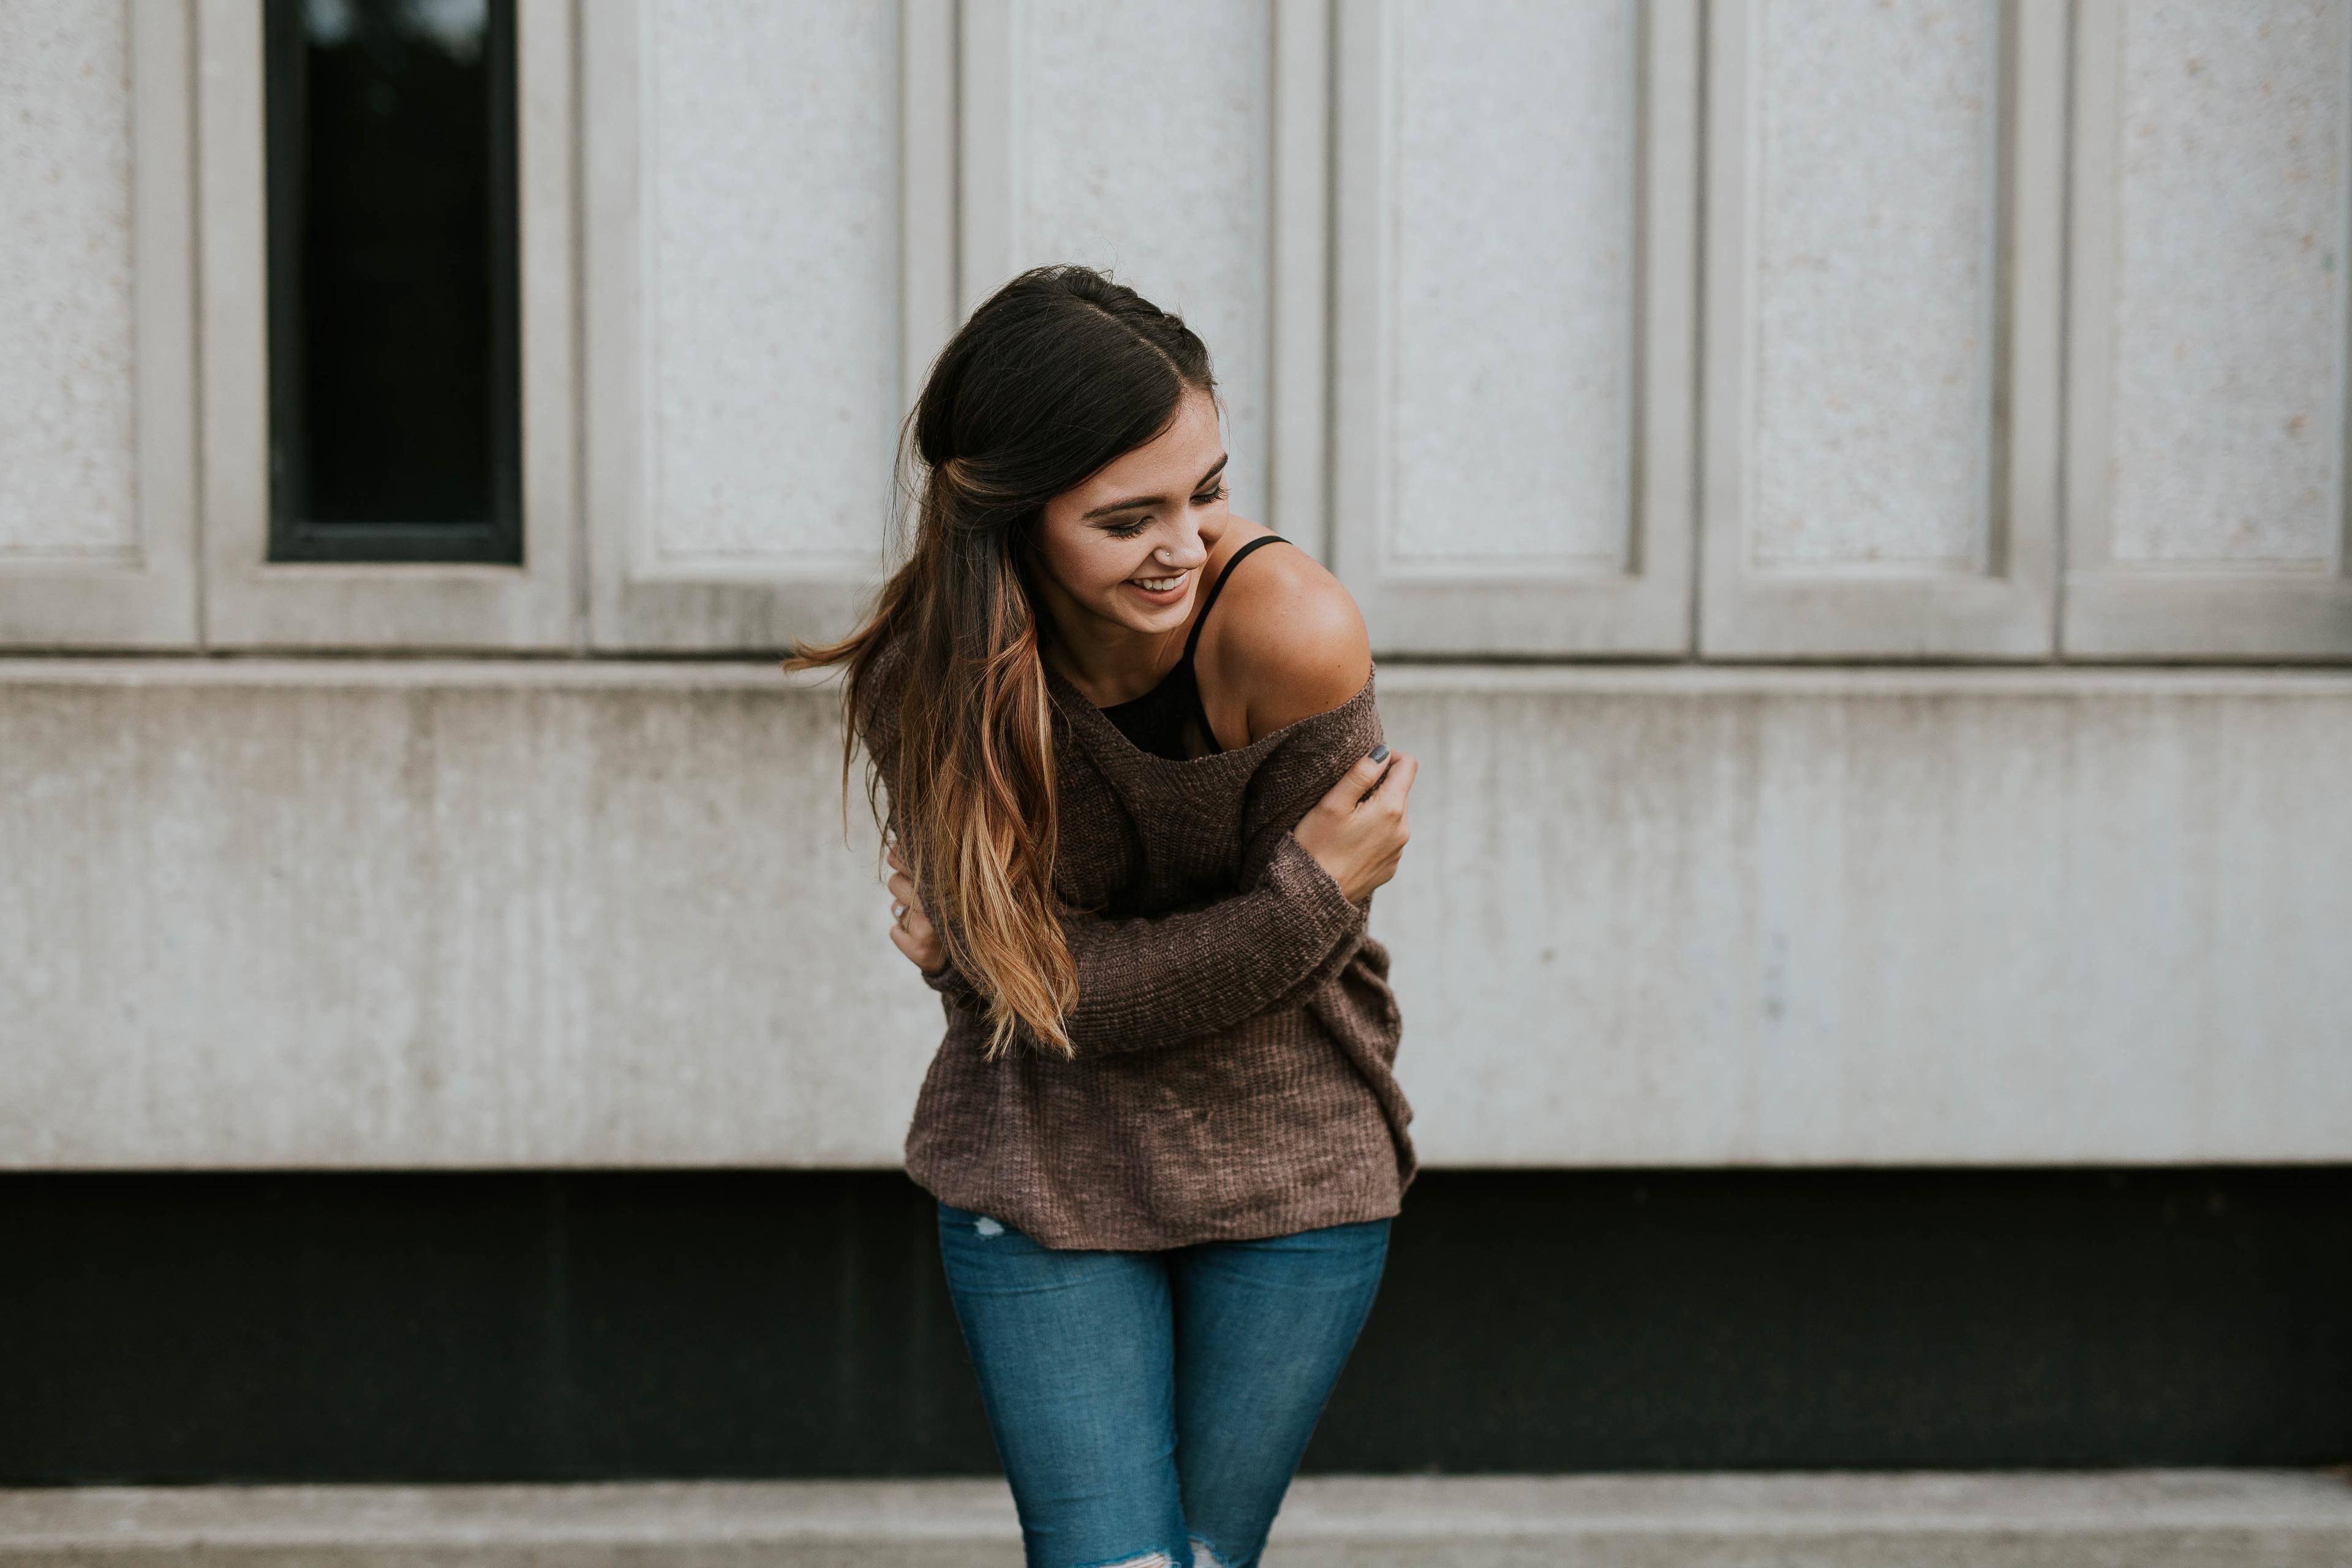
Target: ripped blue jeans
1150,1407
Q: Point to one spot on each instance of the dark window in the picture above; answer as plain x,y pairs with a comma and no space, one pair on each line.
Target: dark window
394,414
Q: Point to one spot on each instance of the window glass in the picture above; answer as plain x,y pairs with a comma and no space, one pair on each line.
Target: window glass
394,430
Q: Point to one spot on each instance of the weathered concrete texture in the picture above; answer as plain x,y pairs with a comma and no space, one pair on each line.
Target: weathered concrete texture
1874,283
1875,916
428,914
1515,245
2179,1519
2230,205
772,357
68,387
417,922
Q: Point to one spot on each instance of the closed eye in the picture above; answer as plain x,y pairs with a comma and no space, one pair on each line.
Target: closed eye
1129,530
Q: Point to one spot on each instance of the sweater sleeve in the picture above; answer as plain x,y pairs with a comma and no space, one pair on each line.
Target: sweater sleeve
1146,982
1154,981
1158,980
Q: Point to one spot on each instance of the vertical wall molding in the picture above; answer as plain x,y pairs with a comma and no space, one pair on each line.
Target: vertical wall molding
147,598
988,49
1636,602
1299,412
2216,610
929,111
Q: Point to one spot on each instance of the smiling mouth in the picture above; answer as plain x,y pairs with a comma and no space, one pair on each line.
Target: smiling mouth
1157,584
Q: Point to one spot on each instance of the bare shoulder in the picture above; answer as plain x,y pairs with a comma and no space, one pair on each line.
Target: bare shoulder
1285,642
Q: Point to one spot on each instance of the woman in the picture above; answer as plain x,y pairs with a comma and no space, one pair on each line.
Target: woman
1133,847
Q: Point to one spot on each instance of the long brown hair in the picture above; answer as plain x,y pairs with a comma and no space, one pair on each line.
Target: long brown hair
1059,372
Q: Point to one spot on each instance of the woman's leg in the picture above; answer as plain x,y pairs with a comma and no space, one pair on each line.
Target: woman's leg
1262,1330
1076,1363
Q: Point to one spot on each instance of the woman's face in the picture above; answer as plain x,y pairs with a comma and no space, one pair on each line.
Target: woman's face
1123,552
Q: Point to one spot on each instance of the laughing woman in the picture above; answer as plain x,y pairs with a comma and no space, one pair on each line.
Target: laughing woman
1134,849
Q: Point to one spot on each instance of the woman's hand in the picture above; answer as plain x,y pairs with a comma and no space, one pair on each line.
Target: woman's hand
912,929
1358,832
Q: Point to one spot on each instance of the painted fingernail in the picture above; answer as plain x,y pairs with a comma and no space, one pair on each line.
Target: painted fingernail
1380,751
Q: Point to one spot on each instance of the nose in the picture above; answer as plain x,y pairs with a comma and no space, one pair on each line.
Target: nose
1183,561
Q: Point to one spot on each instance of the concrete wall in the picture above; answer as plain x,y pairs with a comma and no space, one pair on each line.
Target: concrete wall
2049,376
1451,264
756,388
435,914
68,394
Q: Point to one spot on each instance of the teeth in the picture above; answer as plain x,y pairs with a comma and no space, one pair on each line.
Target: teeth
1159,584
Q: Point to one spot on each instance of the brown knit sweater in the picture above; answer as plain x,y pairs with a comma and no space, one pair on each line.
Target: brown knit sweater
1235,1025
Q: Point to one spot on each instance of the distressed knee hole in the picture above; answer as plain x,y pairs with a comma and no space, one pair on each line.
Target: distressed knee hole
1205,1555
984,1226
1149,1559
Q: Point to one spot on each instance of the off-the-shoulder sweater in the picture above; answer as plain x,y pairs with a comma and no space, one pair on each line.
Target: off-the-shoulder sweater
1234,1026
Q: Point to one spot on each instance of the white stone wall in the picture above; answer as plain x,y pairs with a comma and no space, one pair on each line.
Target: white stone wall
1875,265
1739,338
781,209
1516,270
2230,326
771,257
68,468
445,915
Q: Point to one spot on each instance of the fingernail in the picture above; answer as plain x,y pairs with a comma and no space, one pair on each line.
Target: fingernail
1380,751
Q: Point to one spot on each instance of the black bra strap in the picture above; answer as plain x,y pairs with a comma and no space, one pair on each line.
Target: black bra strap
1199,707
1218,587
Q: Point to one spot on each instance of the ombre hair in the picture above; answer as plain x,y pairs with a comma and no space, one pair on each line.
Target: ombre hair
1058,374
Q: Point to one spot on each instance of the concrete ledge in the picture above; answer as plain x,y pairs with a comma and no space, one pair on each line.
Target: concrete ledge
2143,1518
435,914
1400,676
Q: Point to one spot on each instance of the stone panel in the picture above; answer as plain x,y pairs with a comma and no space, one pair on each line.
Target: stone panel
771,258
2230,332
69,393
1875,158
1515,276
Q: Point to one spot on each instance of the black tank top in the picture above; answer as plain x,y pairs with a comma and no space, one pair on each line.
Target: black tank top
1159,721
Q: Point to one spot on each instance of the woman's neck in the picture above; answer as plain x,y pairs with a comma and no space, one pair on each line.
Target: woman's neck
1110,669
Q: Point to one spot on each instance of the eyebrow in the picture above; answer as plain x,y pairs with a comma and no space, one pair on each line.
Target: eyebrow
1131,502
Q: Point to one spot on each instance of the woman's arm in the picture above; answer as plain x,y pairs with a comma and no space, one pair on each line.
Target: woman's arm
1158,980
1150,981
